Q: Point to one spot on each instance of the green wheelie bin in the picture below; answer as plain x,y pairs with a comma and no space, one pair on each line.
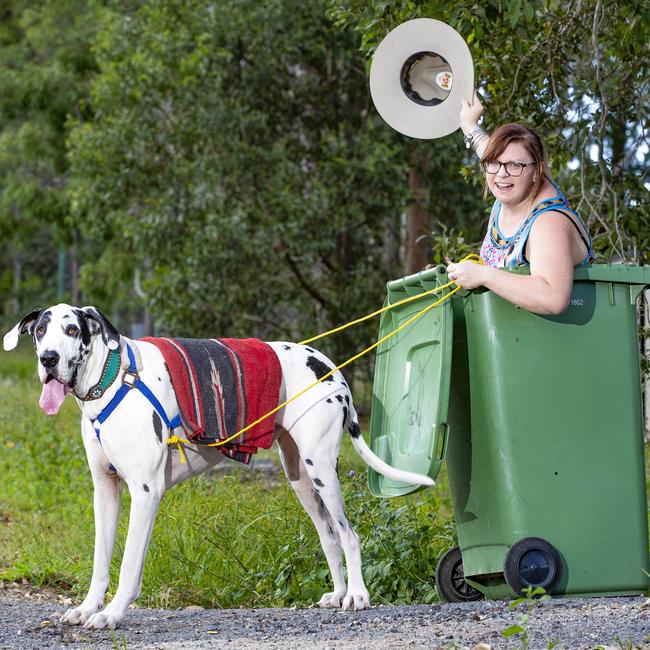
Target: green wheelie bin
539,419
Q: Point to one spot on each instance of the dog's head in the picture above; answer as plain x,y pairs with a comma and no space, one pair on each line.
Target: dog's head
63,336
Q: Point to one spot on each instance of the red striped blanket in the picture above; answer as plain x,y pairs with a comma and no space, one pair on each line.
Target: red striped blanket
221,386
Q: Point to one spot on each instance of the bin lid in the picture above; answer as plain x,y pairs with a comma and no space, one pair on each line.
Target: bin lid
618,273
638,276
411,384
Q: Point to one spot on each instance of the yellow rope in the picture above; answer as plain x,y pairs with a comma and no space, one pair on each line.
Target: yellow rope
175,440
472,257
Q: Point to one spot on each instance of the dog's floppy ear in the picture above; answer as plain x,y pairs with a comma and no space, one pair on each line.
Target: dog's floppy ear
26,324
110,335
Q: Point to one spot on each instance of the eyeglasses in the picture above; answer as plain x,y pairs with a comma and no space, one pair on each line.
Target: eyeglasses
512,168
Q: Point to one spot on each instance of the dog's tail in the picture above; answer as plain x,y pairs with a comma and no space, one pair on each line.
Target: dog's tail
372,460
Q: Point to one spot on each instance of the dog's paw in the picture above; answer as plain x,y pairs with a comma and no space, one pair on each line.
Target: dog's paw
77,616
357,601
331,600
102,620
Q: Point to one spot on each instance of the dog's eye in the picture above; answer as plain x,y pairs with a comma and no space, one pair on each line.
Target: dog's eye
40,331
71,330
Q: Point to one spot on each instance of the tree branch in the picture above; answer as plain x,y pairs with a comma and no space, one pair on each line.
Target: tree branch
303,282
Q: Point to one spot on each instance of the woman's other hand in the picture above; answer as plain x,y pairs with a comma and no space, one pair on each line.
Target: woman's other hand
468,275
470,112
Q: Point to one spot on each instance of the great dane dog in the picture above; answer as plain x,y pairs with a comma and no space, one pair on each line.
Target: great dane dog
72,345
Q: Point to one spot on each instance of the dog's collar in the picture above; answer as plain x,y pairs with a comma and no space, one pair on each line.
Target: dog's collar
109,375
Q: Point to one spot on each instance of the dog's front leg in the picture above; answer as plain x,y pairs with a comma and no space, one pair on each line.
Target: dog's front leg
144,505
106,505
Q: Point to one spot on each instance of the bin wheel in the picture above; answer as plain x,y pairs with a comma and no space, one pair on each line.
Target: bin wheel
450,579
532,562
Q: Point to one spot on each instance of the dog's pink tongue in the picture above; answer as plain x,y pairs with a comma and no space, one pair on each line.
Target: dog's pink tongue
52,397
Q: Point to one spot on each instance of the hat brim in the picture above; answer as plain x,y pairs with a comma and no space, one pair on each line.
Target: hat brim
392,103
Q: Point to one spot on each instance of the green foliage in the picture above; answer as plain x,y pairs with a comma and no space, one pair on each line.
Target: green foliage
531,600
624,644
226,175
449,245
575,71
118,644
233,160
240,167
44,486
402,541
45,62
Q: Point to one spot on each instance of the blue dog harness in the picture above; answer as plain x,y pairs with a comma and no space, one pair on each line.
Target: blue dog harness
129,384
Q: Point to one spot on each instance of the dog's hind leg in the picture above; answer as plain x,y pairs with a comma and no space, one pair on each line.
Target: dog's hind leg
317,436
326,479
106,503
312,503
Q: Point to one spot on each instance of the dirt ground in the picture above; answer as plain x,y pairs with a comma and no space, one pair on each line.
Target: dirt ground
29,620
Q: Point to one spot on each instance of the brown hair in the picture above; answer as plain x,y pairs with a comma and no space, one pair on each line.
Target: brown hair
533,144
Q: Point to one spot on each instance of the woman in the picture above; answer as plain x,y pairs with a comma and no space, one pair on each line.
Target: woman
531,222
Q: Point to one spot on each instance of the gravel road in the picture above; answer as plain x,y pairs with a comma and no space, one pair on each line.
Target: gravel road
30,621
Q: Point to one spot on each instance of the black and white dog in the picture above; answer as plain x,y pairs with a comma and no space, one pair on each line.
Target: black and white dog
72,345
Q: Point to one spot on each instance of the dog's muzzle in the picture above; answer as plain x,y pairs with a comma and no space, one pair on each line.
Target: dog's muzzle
49,359
54,389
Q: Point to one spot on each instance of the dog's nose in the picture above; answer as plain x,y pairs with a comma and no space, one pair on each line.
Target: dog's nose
49,358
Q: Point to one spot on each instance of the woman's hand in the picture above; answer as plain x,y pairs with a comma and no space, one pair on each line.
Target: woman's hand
553,250
468,275
470,112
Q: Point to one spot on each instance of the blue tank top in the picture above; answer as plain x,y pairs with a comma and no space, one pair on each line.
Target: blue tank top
498,250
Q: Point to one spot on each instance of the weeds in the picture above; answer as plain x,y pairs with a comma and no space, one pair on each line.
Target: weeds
118,644
533,598
624,644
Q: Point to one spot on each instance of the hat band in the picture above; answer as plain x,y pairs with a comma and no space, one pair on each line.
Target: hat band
405,79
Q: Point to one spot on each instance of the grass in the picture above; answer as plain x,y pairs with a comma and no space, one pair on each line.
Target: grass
238,540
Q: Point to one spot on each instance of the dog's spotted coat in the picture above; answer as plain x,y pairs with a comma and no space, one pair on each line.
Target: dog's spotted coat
72,345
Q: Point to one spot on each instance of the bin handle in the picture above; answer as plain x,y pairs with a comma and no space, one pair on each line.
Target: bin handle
636,290
442,441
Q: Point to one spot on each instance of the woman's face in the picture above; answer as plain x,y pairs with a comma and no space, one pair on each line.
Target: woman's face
513,190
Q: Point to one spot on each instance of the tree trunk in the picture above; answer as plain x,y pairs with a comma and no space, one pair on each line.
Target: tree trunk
619,138
416,253
17,282
147,322
74,276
